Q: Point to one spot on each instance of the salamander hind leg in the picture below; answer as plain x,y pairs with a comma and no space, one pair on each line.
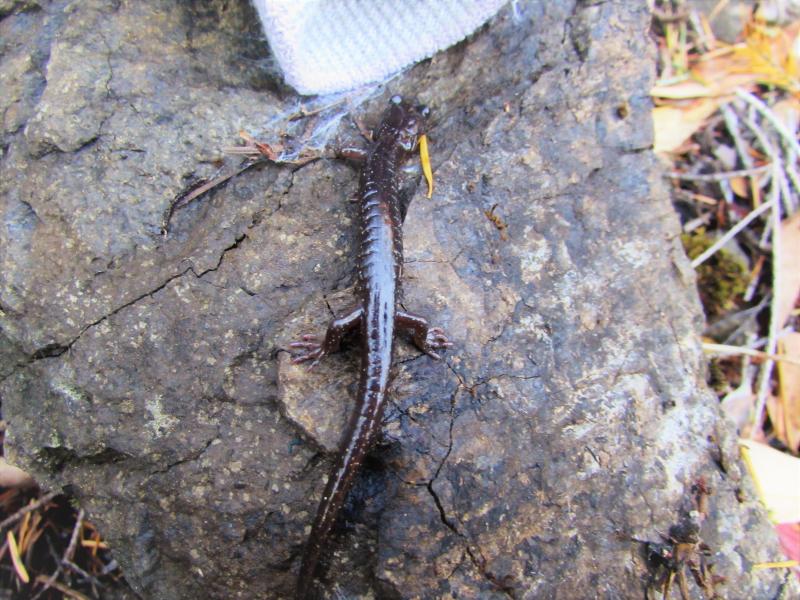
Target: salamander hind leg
314,350
426,338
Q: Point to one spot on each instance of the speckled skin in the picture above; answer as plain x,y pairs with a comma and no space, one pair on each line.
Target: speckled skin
380,263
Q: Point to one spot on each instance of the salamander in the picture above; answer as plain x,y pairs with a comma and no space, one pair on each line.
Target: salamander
378,316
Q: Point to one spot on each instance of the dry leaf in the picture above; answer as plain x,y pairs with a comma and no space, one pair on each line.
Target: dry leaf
682,90
676,124
771,54
713,75
777,477
13,477
767,56
787,419
777,417
722,74
738,404
788,267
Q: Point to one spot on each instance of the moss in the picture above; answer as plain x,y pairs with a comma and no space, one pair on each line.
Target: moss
722,279
717,379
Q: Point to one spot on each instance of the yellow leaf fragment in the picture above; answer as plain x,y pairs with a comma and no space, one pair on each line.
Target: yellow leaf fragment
777,478
425,159
22,573
740,186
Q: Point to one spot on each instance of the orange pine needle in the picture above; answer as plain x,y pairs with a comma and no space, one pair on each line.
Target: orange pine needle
425,159
94,544
23,533
22,573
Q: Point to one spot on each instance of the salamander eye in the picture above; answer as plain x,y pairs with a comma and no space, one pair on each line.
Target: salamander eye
396,100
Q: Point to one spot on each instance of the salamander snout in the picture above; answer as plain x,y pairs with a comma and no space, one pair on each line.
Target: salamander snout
408,121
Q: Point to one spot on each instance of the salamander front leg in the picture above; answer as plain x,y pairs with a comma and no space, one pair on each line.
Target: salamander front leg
357,157
314,351
425,337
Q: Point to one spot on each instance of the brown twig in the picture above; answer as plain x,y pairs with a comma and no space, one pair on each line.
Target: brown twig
728,350
731,233
770,116
501,225
256,153
764,375
779,190
73,567
732,125
66,559
26,509
183,200
725,175
48,582
73,540
66,590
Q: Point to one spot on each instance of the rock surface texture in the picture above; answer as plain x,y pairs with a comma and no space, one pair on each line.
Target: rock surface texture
145,374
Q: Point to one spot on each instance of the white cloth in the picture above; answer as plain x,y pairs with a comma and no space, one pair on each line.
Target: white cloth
326,46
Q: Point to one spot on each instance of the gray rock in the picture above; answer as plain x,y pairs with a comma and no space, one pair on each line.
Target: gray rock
729,19
145,374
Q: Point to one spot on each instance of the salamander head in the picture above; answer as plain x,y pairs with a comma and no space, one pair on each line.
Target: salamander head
406,121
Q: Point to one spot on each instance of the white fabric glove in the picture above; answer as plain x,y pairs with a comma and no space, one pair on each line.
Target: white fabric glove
326,46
